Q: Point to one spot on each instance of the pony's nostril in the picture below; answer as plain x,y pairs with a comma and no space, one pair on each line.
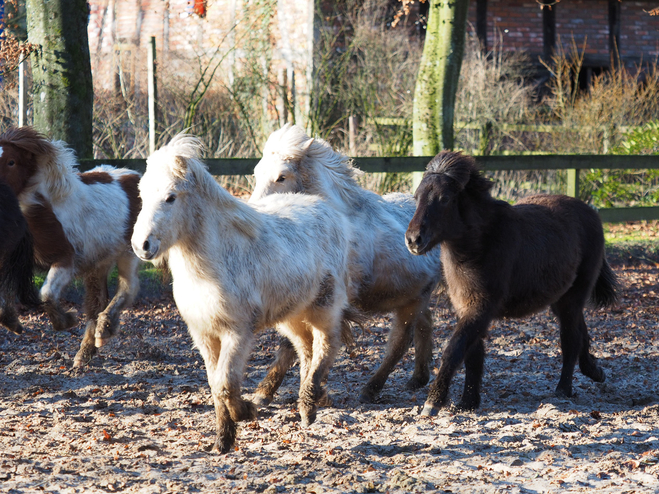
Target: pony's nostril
146,246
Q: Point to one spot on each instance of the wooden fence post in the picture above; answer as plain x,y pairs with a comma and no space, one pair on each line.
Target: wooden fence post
573,182
352,135
22,94
484,138
153,93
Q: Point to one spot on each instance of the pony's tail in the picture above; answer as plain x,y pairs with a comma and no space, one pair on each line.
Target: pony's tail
605,290
17,272
351,316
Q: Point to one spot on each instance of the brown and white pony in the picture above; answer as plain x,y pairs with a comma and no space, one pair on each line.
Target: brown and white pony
81,224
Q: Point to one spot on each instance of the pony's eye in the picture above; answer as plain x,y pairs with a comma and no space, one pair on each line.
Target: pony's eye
280,179
170,198
11,163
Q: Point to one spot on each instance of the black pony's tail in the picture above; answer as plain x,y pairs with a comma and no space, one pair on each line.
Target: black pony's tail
606,287
17,272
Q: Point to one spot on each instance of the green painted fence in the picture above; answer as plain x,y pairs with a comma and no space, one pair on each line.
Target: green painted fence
572,163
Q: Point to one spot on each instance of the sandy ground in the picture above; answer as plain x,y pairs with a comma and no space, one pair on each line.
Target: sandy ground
139,417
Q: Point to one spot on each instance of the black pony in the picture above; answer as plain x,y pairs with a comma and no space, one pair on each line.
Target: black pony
508,261
16,261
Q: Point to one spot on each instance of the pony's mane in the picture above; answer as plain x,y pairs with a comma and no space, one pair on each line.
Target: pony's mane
462,168
56,162
28,139
182,158
320,166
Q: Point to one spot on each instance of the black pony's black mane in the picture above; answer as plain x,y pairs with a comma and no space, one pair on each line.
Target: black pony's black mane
463,169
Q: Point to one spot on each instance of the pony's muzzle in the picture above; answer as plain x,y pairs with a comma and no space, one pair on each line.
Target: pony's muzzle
413,242
147,249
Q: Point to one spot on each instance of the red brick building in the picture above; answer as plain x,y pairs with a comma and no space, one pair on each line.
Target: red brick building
608,27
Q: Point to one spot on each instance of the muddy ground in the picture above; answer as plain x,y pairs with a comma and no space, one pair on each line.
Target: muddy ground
139,417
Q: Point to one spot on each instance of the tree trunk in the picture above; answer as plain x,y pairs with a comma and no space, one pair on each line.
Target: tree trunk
61,70
437,81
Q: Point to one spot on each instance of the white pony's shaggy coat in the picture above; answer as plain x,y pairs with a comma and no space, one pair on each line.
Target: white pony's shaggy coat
385,277
239,268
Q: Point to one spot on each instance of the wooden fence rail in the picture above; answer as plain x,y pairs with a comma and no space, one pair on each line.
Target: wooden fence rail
572,163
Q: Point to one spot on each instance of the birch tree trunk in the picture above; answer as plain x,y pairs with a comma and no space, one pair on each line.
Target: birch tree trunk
437,81
61,71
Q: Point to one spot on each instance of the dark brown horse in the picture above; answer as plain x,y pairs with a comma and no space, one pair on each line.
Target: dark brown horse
16,261
508,261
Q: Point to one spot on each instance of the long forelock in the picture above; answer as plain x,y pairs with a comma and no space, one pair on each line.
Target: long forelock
322,169
28,139
461,168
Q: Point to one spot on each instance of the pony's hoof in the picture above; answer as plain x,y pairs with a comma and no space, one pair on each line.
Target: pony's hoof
563,392
84,356
324,400
262,400
308,416
368,395
597,375
429,410
99,342
245,411
105,330
221,447
468,406
62,321
15,328
416,383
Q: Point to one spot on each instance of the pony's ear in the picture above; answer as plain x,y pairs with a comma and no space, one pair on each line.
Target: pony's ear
180,168
305,146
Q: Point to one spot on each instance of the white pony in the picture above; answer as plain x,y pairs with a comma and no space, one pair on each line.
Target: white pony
81,224
385,277
238,268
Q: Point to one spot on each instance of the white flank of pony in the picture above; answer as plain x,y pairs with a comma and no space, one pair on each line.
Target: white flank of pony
385,277
238,268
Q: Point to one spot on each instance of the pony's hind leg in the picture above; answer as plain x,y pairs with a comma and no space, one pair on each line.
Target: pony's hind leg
284,360
570,317
422,350
96,299
411,321
59,276
107,323
587,362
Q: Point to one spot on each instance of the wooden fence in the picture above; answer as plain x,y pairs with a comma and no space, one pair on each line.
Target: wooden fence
572,163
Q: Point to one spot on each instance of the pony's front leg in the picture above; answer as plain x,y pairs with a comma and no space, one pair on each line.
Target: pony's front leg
467,334
226,427
128,286
58,278
226,379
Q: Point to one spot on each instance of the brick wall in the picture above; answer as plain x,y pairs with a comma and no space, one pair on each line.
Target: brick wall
517,24
120,31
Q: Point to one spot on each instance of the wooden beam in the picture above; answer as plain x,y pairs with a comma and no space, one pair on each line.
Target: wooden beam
614,30
481,23
548,30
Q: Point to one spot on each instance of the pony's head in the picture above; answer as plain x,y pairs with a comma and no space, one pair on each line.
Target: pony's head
171,180
449,177
22,151
294,162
